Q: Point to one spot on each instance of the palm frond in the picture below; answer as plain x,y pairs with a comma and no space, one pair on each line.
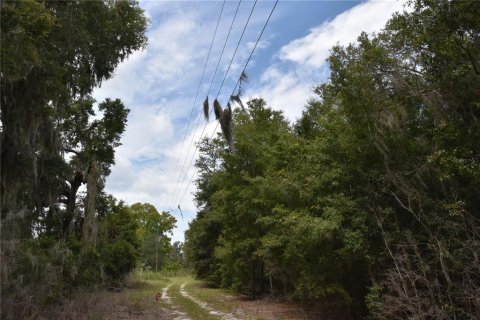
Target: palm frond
236,99
217,108
242,80
226,125
206,109
227,113
243,77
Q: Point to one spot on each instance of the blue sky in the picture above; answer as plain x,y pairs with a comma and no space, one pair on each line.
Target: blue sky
159,83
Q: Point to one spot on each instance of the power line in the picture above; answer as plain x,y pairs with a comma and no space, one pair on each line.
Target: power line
236,85
223,49
238,44
199,85
177,186
196,169
219,90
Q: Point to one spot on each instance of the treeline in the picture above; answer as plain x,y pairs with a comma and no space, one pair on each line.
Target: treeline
59,229
369,204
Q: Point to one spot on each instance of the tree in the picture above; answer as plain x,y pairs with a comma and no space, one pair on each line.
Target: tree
53,54
46,74
92,144
176,258
231,193
119,244
153,234
370,204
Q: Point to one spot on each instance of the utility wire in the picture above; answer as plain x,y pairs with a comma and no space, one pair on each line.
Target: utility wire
236,85
177,186
223,49
218,93
198,89
238,44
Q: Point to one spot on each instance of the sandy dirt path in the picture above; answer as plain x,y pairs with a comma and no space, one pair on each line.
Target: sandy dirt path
206,306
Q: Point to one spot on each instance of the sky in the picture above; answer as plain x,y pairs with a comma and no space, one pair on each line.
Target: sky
160,83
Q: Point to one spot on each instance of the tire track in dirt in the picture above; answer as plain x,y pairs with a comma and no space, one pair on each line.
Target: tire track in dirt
206,306
177,315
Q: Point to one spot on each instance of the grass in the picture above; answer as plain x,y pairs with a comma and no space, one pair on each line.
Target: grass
214,297
161,275
186,305
138,299
146,290
102,304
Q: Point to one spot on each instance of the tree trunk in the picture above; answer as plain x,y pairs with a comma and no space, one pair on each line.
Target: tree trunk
271,284
262,271
252,280
71,203
89,230
18,119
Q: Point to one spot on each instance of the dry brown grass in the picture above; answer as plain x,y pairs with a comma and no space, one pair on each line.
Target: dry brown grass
95,304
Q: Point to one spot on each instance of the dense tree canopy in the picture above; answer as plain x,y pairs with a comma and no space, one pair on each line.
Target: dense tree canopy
55,138
47,77
369,203
153,231
366,206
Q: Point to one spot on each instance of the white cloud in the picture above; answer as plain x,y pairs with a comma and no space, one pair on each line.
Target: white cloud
146,133
286,85
288,90
262,44
159,83
147,169
122,84
313,49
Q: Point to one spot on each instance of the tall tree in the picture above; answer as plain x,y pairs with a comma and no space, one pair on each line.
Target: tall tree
44,72
53,54
153,231
371,203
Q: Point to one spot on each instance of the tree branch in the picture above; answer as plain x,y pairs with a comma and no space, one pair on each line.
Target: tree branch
72,151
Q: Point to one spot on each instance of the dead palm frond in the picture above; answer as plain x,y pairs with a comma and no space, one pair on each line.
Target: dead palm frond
236,99
206,109
226,125
217,108
227,113
242,80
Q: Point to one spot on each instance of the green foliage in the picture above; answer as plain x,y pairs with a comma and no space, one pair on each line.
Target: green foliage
30,24
89,267
369,203
53,54
153,231
119,243
47,77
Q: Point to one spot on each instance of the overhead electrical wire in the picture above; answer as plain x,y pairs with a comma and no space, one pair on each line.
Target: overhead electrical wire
199,85
177,186
236,85
218,93
223,49
238,44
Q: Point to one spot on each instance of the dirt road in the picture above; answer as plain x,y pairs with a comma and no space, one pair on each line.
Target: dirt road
183,298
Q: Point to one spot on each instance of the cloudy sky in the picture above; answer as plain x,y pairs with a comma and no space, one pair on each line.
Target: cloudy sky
160,83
